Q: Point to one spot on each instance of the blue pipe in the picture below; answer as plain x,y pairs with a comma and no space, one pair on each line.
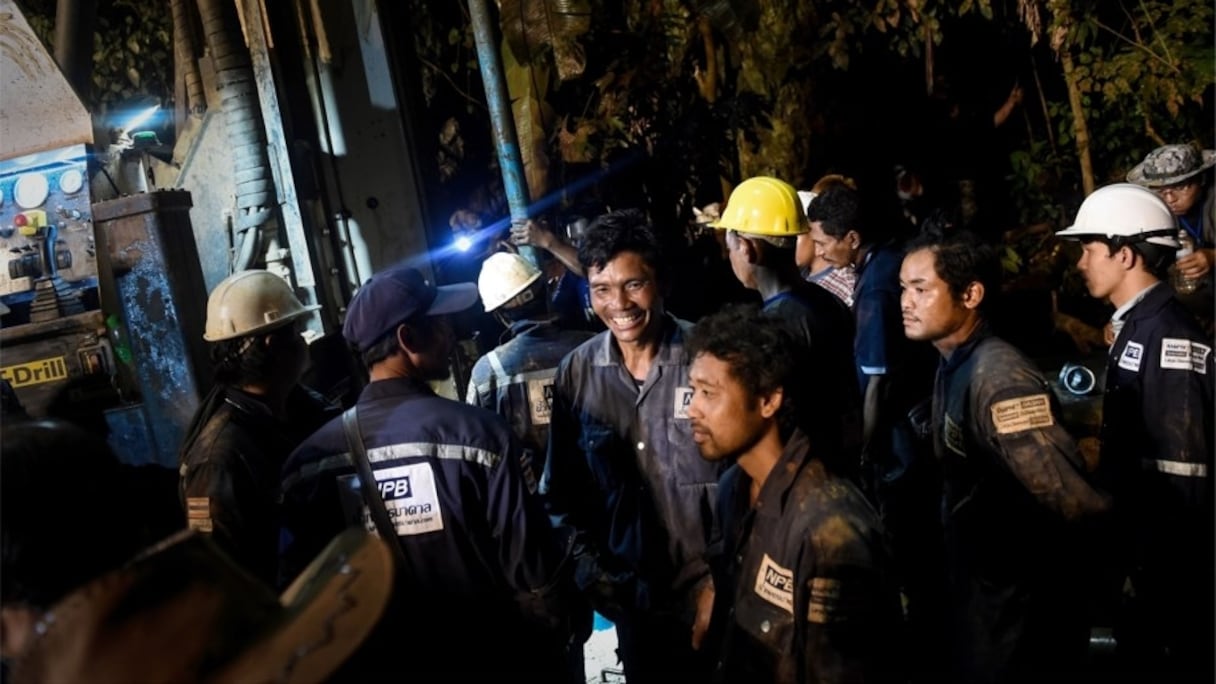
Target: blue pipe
509,160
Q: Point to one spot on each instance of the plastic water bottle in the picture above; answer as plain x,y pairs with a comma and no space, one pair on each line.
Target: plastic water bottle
1182,284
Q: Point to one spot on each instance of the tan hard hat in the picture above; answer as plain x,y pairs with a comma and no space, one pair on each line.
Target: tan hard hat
249,302
504,276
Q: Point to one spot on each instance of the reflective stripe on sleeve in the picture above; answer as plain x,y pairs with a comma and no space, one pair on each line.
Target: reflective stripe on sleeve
1181,468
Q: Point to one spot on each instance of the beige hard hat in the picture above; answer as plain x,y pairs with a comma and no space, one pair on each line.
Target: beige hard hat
504,276
249,302
1125,211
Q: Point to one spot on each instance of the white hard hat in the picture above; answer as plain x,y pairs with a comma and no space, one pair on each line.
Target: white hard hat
806,196
1125,211
249,302
504,276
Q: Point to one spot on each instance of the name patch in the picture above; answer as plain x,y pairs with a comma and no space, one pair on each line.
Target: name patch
1023,413
540,400
775,584
1132,354
1178,354
409,495
683,400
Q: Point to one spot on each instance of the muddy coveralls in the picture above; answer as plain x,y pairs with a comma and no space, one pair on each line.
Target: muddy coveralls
482,586
515,380
805,591
229,470
1016,502
625,474
1156,436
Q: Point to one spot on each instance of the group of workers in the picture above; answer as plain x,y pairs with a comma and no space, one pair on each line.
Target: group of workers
800,491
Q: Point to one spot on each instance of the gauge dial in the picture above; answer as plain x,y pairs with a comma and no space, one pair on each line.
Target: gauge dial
71,181
31,190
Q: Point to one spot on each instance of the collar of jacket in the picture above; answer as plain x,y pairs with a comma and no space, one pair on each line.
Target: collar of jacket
1153,302
671,346
964,350
532,326
245,402
395,387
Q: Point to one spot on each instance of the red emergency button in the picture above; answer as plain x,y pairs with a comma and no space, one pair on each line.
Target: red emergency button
20,220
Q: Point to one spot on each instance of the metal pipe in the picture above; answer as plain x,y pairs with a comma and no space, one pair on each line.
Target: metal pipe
74,43
509,160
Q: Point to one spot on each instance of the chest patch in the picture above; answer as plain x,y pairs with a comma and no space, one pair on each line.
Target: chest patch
540,400
409,495
952,435
1130,359
1023,413
1178,354
775,584
198,513
682,401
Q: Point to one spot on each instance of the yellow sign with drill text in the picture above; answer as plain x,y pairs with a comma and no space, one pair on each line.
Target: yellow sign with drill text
37,372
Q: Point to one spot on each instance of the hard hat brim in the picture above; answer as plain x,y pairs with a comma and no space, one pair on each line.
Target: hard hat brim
1075,232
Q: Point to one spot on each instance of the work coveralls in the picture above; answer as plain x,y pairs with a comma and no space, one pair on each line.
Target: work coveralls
1015,504
229,470
481,590
804,581
624,473
1157,424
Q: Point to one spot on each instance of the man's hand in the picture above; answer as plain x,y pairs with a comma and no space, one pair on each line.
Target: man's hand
705,608
532,232
1197,264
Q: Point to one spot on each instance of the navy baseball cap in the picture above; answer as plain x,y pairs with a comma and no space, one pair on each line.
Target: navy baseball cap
396,295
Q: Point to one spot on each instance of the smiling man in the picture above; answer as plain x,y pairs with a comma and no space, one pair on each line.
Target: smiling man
1014,489
623,471
805,589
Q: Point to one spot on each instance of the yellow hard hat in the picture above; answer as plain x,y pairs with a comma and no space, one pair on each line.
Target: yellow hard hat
249,302
764,206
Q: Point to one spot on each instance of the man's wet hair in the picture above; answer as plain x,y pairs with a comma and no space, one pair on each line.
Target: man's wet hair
837,210
961,258
761,352
625,230
65,511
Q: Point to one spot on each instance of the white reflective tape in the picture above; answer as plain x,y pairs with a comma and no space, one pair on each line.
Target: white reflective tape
1181,468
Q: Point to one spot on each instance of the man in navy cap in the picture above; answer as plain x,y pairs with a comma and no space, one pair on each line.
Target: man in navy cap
476,595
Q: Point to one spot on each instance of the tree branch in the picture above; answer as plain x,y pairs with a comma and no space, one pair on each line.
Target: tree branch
1139,46
455,87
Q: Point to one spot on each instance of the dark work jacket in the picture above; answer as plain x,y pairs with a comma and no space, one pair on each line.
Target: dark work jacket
483,570
804,585
515,380
830,404
1015,497
229,470
1157,431
624,473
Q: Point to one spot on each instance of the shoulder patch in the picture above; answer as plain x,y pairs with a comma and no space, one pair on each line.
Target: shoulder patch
1132,354
1022,413
1182,354
683,399
826,604
775,584
198,513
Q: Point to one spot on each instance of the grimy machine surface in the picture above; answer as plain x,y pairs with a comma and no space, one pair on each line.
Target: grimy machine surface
101,320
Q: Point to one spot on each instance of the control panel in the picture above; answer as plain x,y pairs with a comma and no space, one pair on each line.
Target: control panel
45,214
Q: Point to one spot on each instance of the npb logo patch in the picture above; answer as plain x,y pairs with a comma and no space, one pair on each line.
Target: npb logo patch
410,497
682,402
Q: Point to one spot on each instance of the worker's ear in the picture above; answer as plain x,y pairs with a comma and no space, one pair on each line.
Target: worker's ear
747,247
973,295
771,403
407,338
